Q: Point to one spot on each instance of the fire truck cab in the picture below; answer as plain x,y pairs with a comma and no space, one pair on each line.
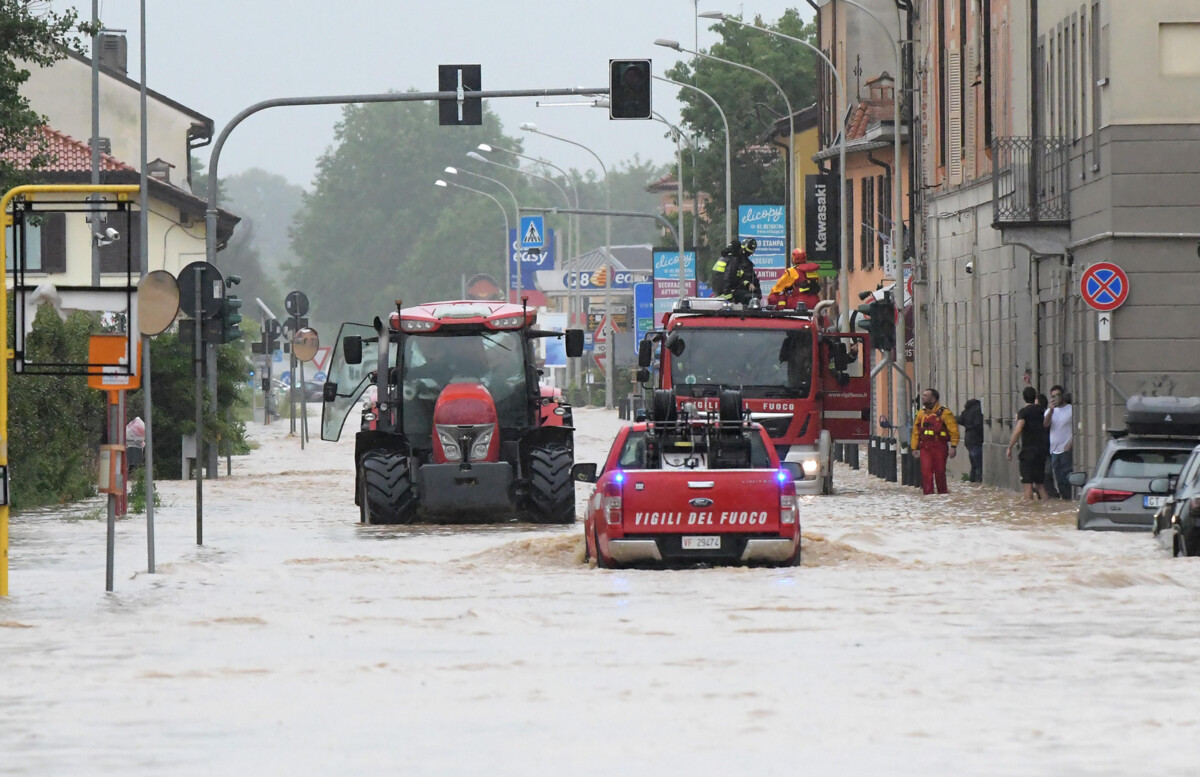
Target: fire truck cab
808,386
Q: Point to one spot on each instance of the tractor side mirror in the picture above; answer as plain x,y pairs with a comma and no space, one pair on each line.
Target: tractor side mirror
645,353
794,469
675,344
584,473
574,342
1077,478
643,375
329,392
352,349
1160,486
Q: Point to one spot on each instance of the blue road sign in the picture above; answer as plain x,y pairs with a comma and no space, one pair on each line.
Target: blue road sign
533,230
643,310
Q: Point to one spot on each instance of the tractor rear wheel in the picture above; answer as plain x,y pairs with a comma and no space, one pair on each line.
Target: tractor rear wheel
550,485
387,488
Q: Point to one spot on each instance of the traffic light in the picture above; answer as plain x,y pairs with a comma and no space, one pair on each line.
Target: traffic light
231,319
629,89
883,324
862,321
271,335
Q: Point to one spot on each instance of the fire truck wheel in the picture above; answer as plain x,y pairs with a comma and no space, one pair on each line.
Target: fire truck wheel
387,488
663,408
550,485
730,405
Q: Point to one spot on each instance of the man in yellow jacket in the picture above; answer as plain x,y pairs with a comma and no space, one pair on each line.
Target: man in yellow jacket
934,437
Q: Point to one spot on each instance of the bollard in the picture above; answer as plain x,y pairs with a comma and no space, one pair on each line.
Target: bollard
838,450
852,456
905,464
890,460
873,457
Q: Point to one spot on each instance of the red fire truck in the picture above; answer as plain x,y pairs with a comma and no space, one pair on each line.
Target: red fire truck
690,486
808,385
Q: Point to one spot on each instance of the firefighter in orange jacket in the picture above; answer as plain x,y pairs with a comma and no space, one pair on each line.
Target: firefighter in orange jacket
934,437
799,284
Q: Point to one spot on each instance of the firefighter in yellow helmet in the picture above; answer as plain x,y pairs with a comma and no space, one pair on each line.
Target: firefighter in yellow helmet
733,276
799,284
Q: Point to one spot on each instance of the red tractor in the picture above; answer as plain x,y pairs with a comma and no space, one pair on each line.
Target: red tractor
460,430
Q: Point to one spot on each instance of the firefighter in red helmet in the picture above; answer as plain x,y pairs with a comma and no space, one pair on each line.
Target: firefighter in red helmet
799,284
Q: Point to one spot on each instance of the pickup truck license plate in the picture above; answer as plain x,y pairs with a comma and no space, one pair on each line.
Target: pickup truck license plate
702,543
1153,501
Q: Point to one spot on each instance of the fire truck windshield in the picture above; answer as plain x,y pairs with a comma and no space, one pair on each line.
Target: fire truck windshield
750,358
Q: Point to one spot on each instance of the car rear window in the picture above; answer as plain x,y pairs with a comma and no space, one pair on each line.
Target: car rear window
633,454
1147,463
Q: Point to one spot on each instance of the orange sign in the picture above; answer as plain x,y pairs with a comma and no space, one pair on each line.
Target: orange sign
111,353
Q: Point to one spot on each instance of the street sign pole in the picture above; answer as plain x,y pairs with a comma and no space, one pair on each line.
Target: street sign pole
198,360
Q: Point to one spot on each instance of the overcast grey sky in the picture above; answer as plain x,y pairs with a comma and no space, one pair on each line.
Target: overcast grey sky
220,56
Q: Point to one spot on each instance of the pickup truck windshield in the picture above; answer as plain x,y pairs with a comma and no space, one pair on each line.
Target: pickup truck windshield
769,358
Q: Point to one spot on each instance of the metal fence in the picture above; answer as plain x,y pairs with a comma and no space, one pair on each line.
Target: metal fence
1030,182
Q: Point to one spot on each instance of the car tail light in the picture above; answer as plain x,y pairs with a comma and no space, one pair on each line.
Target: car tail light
612,499
788,504
1107,495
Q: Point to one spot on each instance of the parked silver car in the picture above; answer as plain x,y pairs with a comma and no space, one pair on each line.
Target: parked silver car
1177,522
1118,496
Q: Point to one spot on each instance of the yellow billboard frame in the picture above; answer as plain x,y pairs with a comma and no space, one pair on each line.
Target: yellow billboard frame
123,191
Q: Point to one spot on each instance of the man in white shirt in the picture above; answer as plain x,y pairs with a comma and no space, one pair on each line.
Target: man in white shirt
1058,420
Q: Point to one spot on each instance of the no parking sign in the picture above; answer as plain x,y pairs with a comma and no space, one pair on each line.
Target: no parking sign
1104,286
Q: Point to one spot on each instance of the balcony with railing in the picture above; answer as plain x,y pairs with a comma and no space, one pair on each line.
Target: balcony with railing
1030,182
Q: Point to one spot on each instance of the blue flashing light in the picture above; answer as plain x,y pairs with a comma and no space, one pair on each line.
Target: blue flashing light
783,476
618,477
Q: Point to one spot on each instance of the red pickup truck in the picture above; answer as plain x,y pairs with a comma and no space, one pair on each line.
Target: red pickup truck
691,488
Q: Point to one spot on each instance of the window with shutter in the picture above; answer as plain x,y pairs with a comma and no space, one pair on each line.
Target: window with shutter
954,119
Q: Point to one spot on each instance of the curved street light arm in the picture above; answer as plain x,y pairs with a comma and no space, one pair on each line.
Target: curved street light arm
503,211
728,171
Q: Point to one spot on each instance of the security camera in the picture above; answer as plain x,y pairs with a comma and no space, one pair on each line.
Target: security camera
970,267
112,234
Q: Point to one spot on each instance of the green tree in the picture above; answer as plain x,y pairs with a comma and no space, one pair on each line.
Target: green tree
55,421
375,230
752,105
268,204
30,35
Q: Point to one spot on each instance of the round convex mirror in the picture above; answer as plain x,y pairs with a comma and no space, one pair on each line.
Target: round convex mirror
158,302
305,344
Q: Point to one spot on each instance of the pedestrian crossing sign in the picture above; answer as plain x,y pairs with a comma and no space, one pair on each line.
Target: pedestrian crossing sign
532,230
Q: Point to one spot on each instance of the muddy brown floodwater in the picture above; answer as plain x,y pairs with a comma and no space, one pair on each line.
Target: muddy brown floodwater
965,634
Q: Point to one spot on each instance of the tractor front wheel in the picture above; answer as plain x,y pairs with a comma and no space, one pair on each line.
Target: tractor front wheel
387,496
550,485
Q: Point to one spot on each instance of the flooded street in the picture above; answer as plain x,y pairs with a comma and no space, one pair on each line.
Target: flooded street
964,634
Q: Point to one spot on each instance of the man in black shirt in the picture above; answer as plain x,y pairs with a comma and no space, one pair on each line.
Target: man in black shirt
1030,431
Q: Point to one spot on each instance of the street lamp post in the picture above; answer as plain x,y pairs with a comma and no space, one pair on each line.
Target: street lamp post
570,230
516,205
678,133
728,166
572,252
902,408
608,274
791,184
503,210
844,273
